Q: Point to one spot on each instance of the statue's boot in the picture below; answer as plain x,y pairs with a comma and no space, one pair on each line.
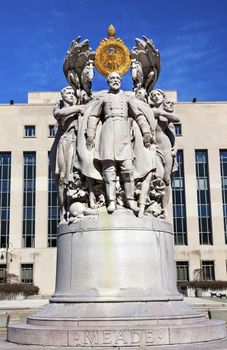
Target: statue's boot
109,177
129,195
131,204
111,207
111,196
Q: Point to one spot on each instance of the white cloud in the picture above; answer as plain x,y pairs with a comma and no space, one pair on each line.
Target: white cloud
191,60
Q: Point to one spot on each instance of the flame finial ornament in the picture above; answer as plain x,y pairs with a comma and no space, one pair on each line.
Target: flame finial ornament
111,31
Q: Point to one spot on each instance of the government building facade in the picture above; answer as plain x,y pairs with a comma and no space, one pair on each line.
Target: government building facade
29,211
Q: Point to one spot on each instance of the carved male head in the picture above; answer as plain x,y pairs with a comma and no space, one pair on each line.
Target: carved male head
114,81
68,95
141,94
157,97
168,105
84,98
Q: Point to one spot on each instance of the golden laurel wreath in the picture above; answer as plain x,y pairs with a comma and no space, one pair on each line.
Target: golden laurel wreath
112,55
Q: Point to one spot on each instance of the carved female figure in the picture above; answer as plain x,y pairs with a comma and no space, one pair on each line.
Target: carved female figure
165,137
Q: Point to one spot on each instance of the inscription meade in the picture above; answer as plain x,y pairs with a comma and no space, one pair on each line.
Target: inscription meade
114,337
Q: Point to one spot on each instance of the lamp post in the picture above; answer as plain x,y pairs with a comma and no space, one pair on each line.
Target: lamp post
7,255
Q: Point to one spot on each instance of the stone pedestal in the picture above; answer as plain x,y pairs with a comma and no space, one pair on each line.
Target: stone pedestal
116,287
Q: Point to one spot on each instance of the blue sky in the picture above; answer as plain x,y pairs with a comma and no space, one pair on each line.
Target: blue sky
191,36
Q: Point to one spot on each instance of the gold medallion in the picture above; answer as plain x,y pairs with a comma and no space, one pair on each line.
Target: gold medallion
112,55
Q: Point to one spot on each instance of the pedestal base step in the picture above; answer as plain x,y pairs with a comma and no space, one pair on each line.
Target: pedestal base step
213,345
113,337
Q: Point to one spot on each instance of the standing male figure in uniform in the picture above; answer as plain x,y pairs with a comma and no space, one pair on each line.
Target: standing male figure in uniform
115,148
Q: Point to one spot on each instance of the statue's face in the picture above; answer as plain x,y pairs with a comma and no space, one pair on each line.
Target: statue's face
157,97
168,106
141,94
68,96
114,81
84,97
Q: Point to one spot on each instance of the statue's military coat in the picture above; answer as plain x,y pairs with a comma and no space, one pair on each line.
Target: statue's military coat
117,128
115,135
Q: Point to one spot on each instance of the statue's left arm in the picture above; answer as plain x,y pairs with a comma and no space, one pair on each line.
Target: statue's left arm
171,117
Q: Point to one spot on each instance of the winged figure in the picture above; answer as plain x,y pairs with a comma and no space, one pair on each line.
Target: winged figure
78,66
145,64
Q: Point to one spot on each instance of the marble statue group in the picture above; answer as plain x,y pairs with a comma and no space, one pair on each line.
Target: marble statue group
113,158
113,148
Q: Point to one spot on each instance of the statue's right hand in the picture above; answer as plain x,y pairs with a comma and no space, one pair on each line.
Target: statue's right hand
90,143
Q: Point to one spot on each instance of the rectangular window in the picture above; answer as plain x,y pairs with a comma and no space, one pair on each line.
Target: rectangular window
208,270
51,130
53,210
29,199
203,197
179,207
178,129
29,131
26,273
182,271
2,273
223,164
5,179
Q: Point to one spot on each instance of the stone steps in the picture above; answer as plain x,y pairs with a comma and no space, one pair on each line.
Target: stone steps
14,316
